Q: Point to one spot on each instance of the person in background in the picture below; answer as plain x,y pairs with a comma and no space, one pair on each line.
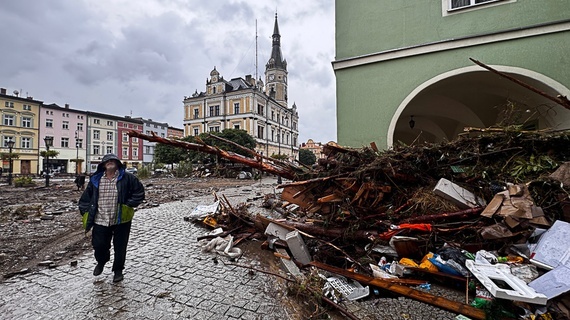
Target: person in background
80,182
107,206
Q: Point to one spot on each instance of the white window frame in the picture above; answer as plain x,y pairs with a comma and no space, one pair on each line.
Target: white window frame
49,123
96,121
27,122
80,127
125,152
6,139
109,149
9,120
26,143
447,9
96,149
96,134
65,125
109,135
110,123
65,142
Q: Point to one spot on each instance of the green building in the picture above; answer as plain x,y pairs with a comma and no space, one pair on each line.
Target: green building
404,74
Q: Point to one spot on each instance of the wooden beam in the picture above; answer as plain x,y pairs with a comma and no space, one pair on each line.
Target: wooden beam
440,302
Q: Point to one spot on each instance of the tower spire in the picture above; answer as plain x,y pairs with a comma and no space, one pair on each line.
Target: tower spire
276,60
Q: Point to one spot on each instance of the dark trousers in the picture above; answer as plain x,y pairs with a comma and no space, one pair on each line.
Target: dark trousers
101,242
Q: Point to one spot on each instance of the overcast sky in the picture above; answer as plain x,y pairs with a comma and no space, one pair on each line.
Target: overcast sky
142,57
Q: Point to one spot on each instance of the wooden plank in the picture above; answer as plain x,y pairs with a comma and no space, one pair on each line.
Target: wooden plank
330,198
443,303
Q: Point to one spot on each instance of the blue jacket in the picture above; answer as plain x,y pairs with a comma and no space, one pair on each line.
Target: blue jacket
130,193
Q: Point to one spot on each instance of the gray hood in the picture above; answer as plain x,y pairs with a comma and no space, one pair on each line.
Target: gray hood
106,158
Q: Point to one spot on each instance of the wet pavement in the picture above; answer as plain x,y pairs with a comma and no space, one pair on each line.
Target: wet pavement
166,277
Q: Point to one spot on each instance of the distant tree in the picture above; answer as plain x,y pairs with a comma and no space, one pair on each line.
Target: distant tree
52,154
168,154
307,157
238,136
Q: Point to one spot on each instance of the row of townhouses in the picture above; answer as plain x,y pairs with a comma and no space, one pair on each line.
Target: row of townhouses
81,138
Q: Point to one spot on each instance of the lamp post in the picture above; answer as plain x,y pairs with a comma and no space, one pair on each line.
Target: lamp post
10,144
49,142
77,168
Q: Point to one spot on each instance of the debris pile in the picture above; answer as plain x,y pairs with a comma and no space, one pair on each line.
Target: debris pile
490,209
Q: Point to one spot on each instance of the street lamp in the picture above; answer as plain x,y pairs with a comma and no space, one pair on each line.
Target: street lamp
10,144
49,142
77,168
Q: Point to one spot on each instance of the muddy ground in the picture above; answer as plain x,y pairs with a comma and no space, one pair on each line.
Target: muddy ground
40,226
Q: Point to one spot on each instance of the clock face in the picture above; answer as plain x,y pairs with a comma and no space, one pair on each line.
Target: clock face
271,77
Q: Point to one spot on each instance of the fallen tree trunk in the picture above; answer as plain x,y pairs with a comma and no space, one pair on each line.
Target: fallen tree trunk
255,163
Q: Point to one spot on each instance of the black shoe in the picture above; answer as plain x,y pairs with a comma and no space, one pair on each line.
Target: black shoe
98,269
118,276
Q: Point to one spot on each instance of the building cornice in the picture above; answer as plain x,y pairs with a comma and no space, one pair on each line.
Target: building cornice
452,44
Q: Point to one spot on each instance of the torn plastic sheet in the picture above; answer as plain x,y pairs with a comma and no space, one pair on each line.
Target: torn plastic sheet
202,211
223,246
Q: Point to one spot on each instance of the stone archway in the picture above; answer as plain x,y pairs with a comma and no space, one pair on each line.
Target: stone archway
472,97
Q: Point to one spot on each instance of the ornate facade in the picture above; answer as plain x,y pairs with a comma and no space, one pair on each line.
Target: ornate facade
249,104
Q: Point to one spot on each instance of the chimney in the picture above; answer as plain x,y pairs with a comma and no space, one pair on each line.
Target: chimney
3,91
67,106
248,79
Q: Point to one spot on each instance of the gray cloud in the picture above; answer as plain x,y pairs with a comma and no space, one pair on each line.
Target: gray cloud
117,57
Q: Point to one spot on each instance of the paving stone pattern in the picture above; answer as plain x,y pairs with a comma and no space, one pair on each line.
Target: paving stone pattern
166,277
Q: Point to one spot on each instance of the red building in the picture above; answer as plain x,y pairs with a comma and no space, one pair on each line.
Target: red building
130,149
172,132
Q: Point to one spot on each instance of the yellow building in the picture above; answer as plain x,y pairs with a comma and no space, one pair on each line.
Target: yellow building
247,104
315,147
20,124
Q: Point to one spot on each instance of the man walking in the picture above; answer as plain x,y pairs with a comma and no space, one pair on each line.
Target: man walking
107,205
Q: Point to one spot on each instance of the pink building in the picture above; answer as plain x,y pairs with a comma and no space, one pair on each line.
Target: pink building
68,128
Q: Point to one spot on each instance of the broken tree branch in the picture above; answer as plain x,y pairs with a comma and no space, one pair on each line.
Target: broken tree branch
561,100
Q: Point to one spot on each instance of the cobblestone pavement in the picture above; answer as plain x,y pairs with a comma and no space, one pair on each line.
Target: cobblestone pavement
166,277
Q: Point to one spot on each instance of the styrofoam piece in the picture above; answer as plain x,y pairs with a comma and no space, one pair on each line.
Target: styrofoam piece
461,197
297,247
552,248
511,287
277,231
351,291
289,265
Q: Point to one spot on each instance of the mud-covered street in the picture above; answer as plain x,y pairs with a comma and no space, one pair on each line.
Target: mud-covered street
42,225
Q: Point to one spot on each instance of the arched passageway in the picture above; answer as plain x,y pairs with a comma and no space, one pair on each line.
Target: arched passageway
440,109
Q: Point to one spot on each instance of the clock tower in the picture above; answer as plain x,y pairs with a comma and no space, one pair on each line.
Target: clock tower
276,70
